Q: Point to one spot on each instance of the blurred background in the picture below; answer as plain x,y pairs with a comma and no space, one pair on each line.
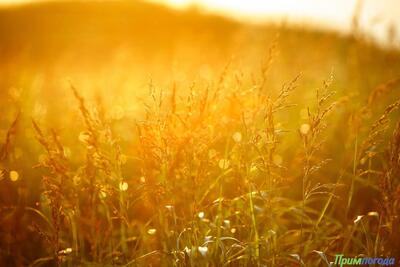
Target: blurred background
117,52
113,50
375,17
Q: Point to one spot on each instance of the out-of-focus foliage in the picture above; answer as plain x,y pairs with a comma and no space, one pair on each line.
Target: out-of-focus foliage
132,134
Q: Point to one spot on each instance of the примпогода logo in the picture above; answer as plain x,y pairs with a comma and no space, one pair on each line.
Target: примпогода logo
340,260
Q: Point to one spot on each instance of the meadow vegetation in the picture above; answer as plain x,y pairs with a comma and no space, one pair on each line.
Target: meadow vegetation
134,135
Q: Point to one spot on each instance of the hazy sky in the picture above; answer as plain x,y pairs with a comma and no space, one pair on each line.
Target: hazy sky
376,15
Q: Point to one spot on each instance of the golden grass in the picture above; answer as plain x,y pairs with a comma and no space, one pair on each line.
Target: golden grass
245,168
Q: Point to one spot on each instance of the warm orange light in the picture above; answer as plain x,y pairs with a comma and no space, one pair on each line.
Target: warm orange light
337,14
287,7
7,2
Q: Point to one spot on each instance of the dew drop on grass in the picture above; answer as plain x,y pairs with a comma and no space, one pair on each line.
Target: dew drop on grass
237,137
203,250
123,186
305,128
102,194
359,217
14,176
227,223
373,213
152,231
65,251
201,214
187,250
208,238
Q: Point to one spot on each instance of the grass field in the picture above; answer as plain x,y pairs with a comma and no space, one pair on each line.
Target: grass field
135,135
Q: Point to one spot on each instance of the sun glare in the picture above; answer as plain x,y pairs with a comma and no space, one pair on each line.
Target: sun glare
262,10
